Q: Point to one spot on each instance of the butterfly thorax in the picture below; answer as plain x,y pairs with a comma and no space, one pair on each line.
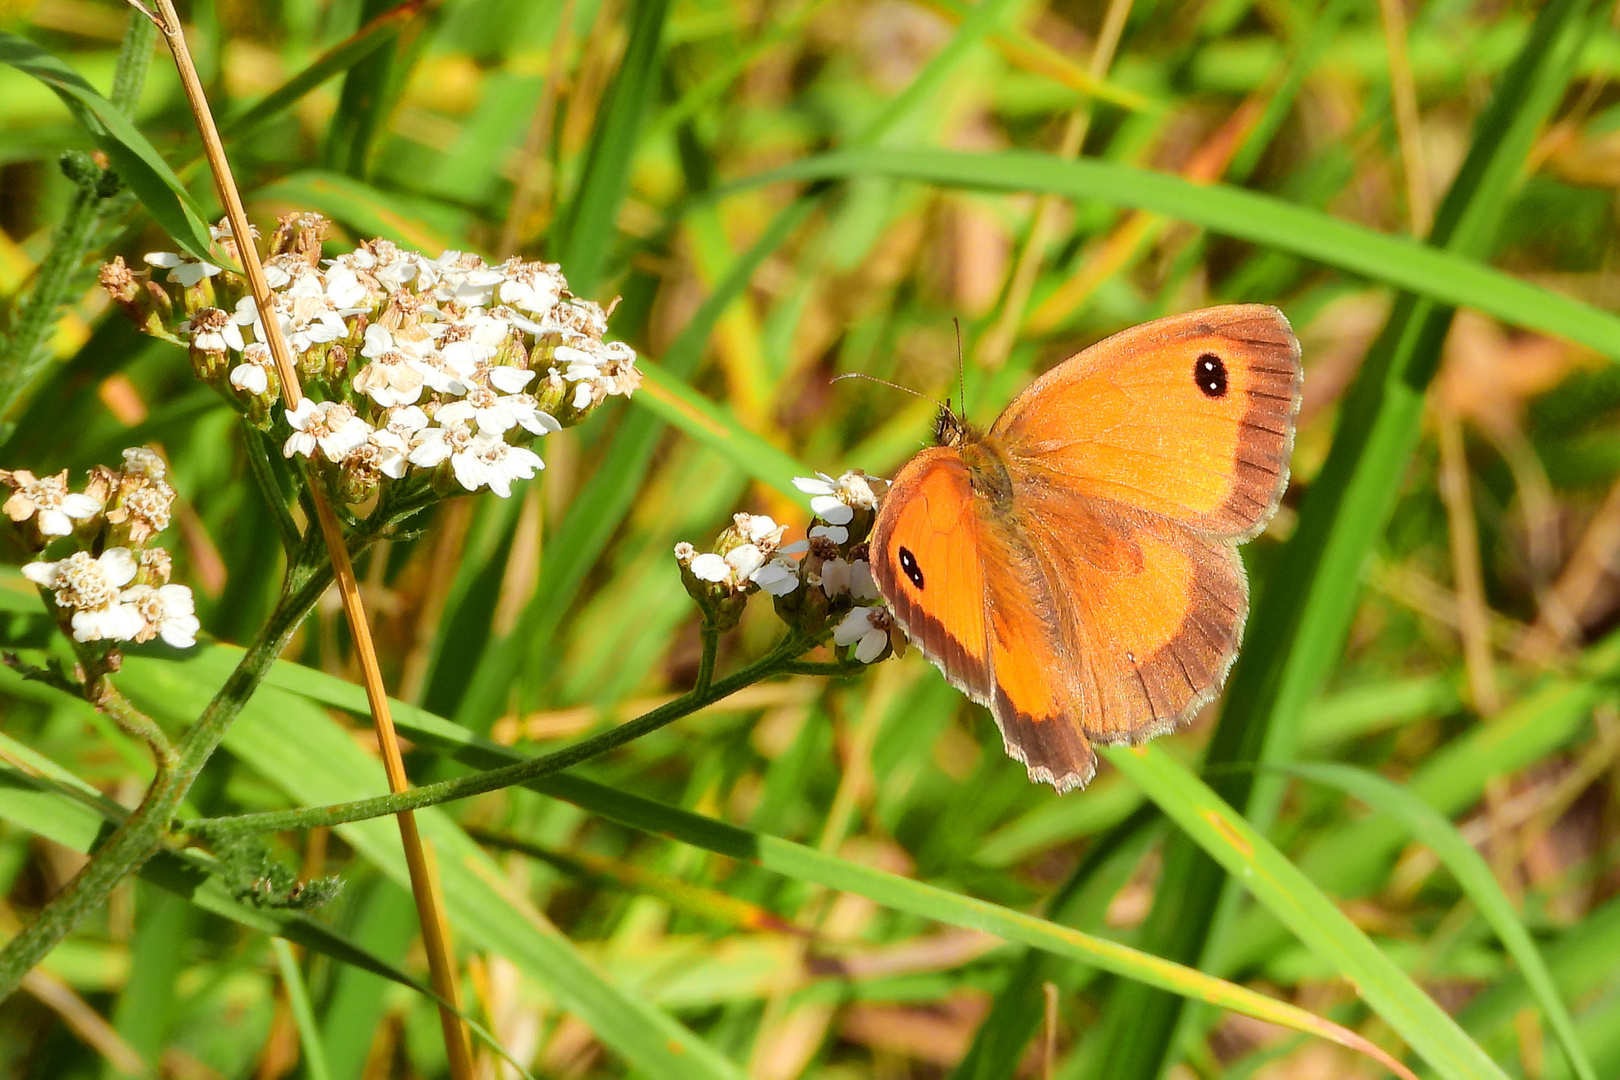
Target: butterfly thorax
987,474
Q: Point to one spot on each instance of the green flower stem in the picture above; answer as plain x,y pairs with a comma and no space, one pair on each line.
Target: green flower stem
136,724
777,662
710,636
144,832
260,447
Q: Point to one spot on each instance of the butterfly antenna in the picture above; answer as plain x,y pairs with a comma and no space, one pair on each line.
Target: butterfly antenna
892,386
961,366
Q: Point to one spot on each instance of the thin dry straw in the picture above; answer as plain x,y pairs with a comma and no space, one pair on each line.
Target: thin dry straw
440,963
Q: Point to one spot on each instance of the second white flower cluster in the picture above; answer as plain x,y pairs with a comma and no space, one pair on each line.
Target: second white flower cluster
123,593
825,577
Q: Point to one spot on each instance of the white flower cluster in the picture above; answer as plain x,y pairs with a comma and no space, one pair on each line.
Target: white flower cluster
122,594
750,556
444,366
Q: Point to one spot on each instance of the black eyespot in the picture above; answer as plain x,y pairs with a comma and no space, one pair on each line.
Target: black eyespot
1210,375
908,563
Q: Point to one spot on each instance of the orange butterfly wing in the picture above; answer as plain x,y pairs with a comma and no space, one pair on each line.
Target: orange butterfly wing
961,587
1076,568
1190,418
1150,611
925,559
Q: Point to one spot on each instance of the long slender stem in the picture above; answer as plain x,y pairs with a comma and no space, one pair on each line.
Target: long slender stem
711,648
424,888
774,663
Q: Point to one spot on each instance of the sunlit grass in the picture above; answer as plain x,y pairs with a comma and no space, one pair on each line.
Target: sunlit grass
781,194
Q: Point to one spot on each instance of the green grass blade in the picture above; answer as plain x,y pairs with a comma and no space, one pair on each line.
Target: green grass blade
1303,616
418,223
380,31
590,227
713,425
1352,858
295,746
1251,859
1444,276
367,98
601,505
1473,876
781,856
134,159
309,1034
930,902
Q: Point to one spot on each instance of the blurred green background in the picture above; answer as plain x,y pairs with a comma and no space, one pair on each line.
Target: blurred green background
1435,601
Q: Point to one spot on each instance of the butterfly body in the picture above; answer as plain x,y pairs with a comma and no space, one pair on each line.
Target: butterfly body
1074,568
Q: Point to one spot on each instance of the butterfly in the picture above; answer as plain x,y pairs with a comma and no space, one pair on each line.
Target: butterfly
1075,567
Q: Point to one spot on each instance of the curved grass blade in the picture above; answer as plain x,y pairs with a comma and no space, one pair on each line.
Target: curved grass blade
606,498
1352,858
134,159
1443,276
335,61
713,425
370,212
309,1033
1315,920
1035,55
590,224
806,864
296,746
42,798
1297,629
1473,876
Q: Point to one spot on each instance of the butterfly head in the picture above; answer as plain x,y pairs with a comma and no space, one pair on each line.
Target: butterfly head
952,430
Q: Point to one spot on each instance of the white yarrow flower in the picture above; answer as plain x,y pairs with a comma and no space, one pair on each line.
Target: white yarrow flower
861,584
744,559
710,567
778,577
490,461
166,611
183,270
48,499
836,533
861,628
331,426
90,588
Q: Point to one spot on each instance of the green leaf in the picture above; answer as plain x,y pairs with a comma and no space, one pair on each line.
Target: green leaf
294,745
410,221
714,425
380,31
135,160
778,855
591,225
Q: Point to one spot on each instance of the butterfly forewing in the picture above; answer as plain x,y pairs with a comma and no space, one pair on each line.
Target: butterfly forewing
925,559
1190,418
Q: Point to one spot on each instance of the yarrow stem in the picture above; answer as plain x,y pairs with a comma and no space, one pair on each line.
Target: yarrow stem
142,834
778,661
